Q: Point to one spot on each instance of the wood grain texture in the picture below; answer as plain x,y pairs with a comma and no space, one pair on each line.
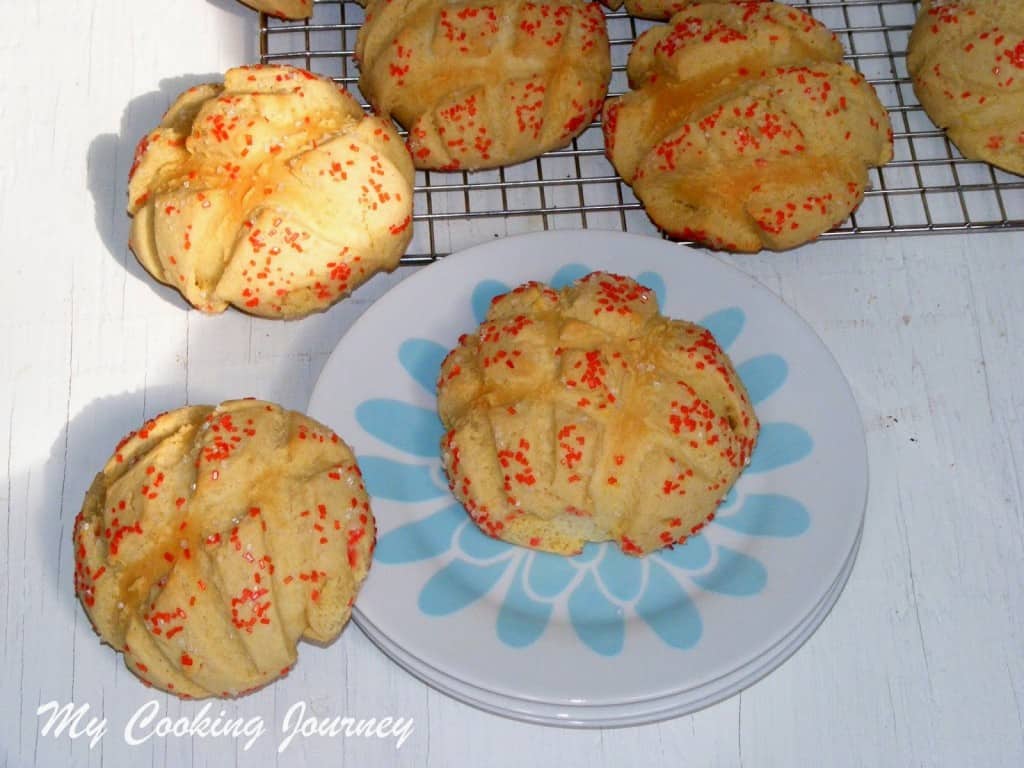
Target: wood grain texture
920,663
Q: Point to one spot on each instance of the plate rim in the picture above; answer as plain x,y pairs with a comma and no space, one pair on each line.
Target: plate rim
583,716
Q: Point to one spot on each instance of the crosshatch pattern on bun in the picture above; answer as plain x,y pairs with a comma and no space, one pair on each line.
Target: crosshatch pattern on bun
283,9
744,130
215,538
484,84
585,415
966,58
273,192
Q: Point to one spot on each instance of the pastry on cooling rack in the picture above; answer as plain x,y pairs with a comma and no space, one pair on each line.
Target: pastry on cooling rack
744,130
659,10
585,415
484,84
273,192
283,9
966,58
215,539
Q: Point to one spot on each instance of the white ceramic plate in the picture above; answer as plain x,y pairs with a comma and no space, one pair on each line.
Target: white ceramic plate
626,713
601,639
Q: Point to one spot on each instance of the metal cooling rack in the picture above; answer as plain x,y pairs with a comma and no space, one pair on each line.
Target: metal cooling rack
927,187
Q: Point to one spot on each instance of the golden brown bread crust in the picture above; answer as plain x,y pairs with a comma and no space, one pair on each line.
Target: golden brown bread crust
585,415
483,84
273,192
215,538
966,58
744,129
283,9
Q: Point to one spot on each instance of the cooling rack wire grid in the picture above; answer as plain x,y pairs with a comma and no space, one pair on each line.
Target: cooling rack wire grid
927,187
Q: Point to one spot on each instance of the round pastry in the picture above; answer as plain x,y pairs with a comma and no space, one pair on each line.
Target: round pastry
215,538
744,129
273,192
484,84
966,58
283,9
585,415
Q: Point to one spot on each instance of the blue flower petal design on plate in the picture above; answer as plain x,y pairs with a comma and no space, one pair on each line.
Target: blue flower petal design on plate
407,427
656,283
622,575
570,273
522,620
768,515
590,553
668,610
422,360
734,574
484,294
458,584
779,444
762,376
549,574
729,500
387,479
691,556
598,621
476,543
420,540
725,325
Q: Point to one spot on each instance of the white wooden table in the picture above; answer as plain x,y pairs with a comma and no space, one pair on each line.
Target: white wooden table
920,663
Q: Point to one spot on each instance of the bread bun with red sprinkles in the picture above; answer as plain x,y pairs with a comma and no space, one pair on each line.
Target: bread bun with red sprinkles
274,193
744,130
283,9
484,84
585,415
966,58
215,538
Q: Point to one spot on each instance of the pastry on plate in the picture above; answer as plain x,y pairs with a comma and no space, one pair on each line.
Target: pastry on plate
584,414
744,129
966,58
272,192
215,538
480,85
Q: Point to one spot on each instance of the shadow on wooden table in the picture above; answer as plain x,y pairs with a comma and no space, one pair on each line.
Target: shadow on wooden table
109,159
76,456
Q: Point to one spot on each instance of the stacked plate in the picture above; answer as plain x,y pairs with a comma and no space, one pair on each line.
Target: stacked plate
601,639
